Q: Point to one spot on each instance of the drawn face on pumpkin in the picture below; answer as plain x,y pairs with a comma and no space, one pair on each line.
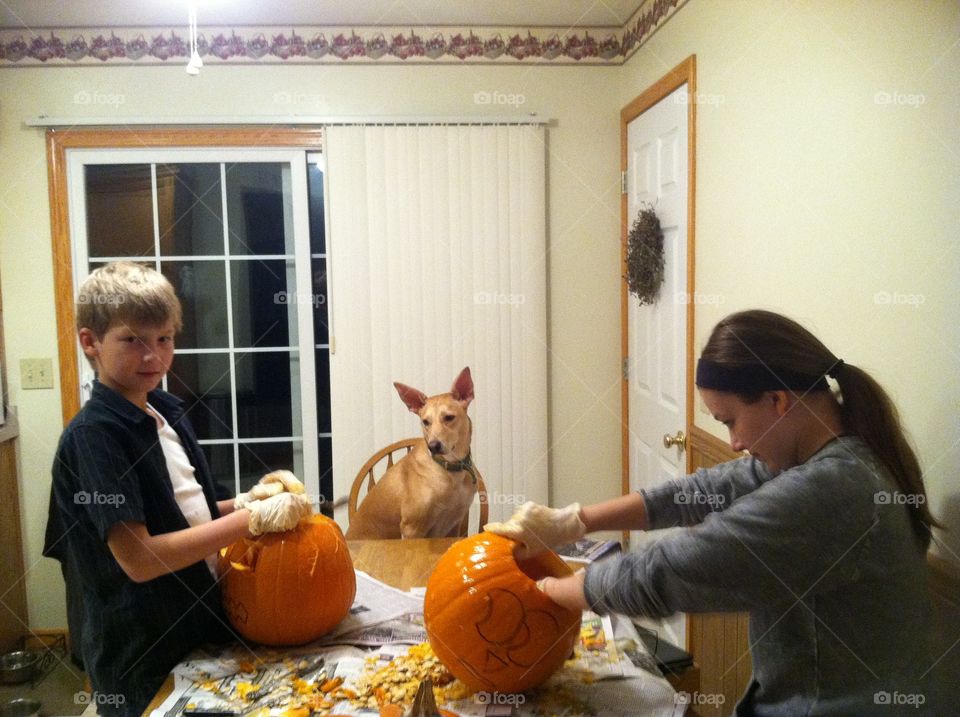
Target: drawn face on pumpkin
515,633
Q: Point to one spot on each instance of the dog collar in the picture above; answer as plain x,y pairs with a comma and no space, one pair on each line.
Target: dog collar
464,464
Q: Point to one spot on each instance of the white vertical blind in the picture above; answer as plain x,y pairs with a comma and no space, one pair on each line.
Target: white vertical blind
437,261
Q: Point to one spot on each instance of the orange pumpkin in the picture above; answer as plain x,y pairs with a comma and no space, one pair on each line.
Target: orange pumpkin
487,621
288,588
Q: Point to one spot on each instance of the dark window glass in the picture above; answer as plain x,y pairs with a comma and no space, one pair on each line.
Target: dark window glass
220,459
263,307
264,395
323,390
255,209
189,209
202,381
325,464
119,210
318,233
202,289
321,331
258,459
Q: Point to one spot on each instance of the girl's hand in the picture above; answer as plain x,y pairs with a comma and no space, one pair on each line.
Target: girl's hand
538,527
566,592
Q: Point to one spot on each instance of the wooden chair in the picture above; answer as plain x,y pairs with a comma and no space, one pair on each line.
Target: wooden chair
369,474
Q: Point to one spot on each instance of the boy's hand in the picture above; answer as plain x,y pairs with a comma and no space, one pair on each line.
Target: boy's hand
271,484
540,528
278,513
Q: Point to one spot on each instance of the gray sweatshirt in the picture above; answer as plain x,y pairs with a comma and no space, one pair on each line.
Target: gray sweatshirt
822,556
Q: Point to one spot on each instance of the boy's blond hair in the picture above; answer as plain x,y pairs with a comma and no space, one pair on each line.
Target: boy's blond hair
123,292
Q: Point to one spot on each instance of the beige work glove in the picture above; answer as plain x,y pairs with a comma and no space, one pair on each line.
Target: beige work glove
539,528
271,484
278,513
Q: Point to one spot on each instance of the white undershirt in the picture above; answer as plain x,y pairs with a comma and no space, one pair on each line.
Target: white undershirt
186,490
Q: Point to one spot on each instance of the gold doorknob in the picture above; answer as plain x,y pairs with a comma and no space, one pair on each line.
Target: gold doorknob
679,440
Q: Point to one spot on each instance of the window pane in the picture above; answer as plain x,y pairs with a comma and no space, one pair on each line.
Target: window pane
202,288
323,390
257,459
326,475
203,382
321,332
318,231
119,210
190,209
264,395
255,206
264,309
220,460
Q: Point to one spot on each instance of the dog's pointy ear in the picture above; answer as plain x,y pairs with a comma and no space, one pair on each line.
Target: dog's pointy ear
463,387
411,397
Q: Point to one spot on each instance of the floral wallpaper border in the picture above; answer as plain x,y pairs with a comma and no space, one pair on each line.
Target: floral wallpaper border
334,45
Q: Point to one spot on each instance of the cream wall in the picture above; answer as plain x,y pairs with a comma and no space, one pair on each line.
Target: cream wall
582,215
811,197
818,196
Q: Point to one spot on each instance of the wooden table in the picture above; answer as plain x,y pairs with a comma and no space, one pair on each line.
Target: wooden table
405,564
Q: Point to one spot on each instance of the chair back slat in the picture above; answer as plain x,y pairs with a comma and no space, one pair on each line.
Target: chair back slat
366,476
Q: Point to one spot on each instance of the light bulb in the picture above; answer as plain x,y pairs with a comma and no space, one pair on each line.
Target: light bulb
195,63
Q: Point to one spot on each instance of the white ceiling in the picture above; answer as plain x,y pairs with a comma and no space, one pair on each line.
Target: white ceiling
28,14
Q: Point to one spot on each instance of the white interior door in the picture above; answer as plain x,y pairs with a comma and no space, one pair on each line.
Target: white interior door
656,334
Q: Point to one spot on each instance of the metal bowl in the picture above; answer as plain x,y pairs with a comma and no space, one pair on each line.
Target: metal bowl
18,666
20,708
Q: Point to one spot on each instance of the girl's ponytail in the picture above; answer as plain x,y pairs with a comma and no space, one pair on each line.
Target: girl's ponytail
868,412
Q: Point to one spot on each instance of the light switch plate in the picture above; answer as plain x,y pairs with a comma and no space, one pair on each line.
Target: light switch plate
36,373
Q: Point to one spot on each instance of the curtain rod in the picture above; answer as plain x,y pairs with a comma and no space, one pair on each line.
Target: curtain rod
45,121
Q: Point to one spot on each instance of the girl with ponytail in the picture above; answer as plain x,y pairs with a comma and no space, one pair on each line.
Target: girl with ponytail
820,533
785,355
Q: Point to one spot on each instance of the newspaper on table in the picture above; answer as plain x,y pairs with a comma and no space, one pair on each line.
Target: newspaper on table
587,550
405,630
376,603
609,674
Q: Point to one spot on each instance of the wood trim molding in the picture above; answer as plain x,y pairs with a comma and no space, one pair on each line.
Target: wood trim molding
62,275
683,73
718,641
705,449
15,614
60,141
944,579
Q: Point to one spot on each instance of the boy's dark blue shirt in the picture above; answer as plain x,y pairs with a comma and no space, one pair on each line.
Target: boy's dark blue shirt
110,468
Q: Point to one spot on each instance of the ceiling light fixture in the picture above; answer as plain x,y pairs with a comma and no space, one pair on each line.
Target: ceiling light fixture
195,63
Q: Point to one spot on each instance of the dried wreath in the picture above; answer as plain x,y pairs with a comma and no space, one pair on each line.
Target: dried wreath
645,263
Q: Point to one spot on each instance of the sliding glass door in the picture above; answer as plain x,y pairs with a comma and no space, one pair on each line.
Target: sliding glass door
240,235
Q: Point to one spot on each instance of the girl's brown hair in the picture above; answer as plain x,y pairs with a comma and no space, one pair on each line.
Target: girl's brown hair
765,338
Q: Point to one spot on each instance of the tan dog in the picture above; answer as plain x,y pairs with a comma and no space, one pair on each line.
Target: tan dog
428,492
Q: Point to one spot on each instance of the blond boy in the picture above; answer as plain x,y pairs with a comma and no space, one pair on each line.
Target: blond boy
136,509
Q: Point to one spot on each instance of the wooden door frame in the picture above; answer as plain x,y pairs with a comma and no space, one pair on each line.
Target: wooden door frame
59,141
684,73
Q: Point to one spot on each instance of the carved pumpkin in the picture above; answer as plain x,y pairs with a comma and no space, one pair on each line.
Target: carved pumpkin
288,588
487,621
